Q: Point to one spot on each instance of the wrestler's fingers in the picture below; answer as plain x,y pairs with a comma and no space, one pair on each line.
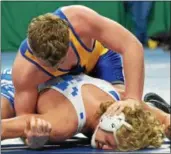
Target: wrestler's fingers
120,109
113,109
39,126
49,127
44,126
33,124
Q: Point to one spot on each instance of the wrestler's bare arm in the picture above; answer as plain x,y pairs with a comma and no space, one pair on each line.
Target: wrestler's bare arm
15,127
119,39
57,114
26,78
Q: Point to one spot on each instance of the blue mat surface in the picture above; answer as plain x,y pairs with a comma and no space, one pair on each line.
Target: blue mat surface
75,147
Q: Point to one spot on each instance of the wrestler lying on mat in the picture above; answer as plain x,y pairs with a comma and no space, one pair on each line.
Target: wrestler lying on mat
82,104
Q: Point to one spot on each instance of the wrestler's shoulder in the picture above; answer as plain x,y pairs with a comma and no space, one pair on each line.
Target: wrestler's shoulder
76,9
26,72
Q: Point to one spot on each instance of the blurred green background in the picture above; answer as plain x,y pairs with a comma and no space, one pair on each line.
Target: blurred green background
16,15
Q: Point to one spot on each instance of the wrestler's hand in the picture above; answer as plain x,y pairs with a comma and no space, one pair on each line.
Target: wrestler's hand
37,132
118,107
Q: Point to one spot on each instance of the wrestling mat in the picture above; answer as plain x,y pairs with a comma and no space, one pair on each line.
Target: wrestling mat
77,144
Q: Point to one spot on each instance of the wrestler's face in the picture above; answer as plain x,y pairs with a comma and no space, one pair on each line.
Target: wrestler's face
45,64
104,136
105,140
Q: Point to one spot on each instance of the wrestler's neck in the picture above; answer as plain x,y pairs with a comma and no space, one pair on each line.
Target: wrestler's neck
92,123
95,124
90,126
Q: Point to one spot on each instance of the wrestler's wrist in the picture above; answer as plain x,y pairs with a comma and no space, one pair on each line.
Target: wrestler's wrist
132,96
132,99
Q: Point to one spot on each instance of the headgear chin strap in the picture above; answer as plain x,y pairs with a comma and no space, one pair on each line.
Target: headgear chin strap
110,124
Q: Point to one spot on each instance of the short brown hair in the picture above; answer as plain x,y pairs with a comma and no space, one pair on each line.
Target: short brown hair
147,130
48,37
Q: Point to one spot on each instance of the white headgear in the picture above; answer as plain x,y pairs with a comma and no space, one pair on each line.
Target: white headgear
110,124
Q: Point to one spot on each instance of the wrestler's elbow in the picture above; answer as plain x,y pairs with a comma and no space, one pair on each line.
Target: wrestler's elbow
127,41
114,36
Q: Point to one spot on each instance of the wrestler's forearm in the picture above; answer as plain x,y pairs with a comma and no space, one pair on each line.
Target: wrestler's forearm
133,56
14,127
133,62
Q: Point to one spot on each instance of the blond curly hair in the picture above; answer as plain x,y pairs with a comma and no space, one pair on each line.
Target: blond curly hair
48,37
147,130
